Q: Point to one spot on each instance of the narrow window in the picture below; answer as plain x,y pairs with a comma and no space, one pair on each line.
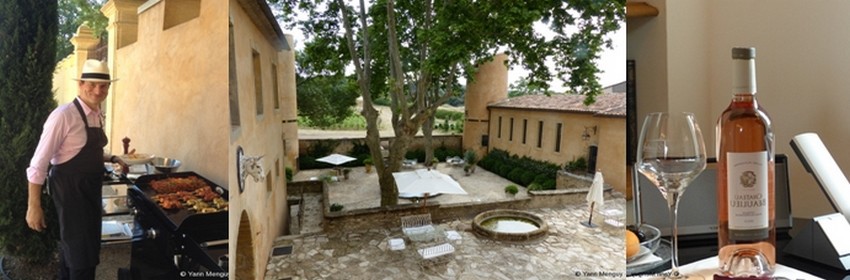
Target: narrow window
524,130
275,88
499,134
269,181
258,81
233,91
540,134
558,138
511,132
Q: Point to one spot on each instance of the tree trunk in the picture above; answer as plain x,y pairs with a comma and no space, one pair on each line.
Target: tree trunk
427,131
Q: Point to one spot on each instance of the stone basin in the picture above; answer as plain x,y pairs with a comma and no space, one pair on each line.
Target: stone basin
509,225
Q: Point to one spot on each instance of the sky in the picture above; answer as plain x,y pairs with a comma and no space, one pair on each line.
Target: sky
612,62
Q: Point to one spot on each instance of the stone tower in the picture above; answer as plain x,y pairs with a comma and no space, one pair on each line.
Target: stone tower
490,85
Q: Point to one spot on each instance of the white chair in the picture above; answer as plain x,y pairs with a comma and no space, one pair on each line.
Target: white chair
396,244
436,251
415,225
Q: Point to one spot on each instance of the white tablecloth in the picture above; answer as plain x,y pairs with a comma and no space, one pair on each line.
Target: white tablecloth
708,267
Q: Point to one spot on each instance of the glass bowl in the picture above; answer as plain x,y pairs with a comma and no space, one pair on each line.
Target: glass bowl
652,237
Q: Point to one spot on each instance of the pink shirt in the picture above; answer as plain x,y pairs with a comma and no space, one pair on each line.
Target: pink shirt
63,137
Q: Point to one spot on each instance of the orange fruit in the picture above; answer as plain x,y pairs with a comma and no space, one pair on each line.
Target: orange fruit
632,244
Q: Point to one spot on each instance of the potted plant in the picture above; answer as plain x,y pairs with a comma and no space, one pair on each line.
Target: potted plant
368,164
467,168
345,172
326,178
471,159
511,190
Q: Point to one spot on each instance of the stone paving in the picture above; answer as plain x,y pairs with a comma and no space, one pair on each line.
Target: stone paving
361,190
569,250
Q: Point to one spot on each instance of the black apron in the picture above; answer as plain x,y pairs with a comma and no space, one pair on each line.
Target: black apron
76,187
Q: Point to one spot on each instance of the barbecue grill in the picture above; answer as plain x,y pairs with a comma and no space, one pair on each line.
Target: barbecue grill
176,244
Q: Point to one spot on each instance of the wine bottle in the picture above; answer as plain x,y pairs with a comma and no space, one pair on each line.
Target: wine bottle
745,192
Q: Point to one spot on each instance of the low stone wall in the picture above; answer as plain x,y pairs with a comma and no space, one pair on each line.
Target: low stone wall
566,180
344,145
296,188
389,217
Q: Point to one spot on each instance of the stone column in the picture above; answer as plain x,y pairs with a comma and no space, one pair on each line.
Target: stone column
289,106
84,42
490,85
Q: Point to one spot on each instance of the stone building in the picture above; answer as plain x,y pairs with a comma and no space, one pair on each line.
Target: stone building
557,128
262,123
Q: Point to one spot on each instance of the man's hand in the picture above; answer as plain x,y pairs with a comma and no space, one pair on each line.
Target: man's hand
35,218
35,214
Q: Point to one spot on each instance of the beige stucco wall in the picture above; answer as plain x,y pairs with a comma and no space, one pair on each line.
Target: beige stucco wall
65,89
263,204
170,99
683,55
610,137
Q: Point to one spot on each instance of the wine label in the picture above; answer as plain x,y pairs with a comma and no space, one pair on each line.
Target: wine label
747,193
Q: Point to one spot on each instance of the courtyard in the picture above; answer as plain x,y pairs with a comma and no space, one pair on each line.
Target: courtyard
568,251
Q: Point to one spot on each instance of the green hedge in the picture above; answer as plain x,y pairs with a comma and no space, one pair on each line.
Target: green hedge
449,115
521,170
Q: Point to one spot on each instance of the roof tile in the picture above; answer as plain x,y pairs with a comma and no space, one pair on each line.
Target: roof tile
607,104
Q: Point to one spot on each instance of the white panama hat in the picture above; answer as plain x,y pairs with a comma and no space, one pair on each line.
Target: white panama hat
95,71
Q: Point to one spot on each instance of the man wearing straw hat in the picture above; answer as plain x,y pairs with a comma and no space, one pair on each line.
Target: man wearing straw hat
71,145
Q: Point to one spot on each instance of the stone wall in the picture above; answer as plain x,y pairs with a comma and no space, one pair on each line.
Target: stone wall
389,217
344,145
567,180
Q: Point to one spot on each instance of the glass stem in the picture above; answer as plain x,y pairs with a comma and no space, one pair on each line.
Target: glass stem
673,204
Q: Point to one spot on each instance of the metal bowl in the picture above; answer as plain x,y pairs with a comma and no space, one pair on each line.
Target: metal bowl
165,165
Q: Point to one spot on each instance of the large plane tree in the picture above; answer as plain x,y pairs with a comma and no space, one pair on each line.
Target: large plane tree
416,51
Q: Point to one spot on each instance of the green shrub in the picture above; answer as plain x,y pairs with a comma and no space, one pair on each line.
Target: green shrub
494,167
289,174
383,101
527,178
449,115
540,179
535,187
443,152
336,207
549,185
511,189
503,164
417,154
322,148
505,170
516,175
470,156
577,165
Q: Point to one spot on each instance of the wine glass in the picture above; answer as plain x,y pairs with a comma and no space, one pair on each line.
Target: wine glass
671,153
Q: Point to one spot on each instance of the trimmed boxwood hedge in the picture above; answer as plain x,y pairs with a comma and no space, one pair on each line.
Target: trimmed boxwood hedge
521,170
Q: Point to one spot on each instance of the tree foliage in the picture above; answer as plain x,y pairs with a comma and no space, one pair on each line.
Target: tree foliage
28,31
72,14
522,87
325,95
415,51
